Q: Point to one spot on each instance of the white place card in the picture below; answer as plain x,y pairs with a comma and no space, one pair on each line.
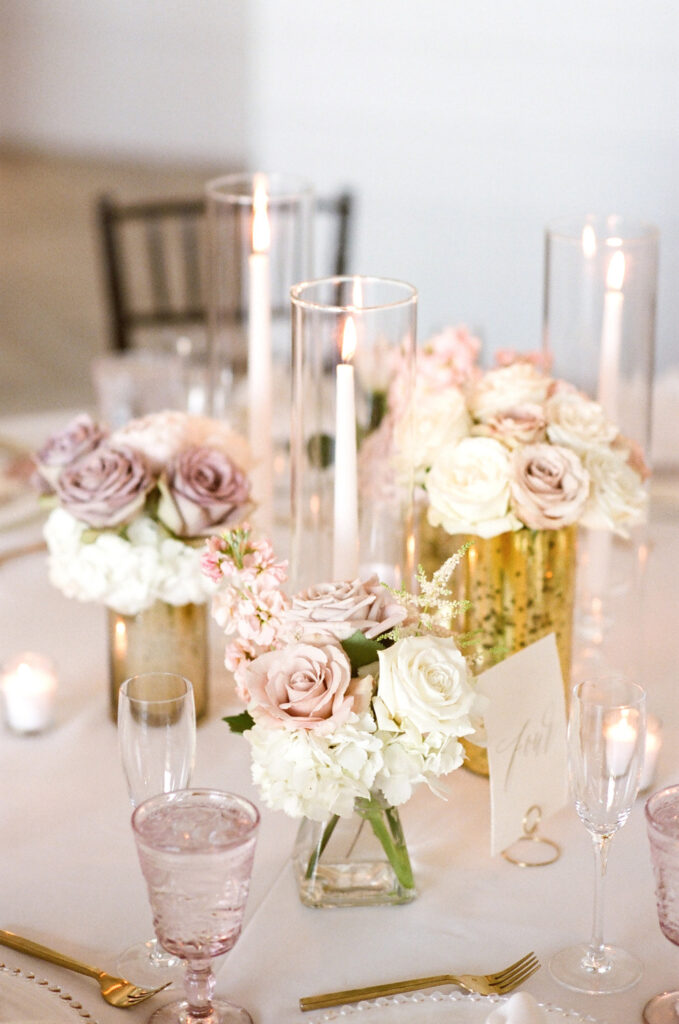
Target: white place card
526,731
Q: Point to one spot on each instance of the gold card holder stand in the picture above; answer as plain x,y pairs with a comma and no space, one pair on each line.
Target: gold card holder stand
531,850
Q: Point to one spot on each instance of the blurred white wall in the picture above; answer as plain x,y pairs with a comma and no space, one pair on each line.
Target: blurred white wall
463,127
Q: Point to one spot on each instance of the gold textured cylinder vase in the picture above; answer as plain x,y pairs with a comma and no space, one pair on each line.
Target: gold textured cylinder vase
520,585
162,638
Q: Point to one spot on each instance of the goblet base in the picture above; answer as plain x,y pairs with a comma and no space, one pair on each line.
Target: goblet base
575,968
148,964
662,1009
221,1012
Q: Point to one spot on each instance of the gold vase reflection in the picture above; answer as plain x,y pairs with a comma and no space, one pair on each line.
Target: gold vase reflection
163,638
520,585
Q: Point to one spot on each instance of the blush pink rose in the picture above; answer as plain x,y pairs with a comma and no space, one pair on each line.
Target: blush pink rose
524,424
79,438
549,486
106,488
303,686
203,490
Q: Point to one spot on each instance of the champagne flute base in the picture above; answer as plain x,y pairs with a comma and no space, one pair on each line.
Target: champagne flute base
221,1012
662,1009
149,965
574,968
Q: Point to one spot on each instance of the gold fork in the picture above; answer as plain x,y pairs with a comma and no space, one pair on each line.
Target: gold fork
484,984
116,991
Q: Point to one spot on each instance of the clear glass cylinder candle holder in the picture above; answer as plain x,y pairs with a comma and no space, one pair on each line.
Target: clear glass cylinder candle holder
258,246
600,288
352,495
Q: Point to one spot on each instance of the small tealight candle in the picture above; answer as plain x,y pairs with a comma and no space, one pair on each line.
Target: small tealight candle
652,749
29,687
621,738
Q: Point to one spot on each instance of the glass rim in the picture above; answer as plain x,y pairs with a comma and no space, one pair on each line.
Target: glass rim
122,689
660,794
614,229
180,796
238,188
297,299
638,700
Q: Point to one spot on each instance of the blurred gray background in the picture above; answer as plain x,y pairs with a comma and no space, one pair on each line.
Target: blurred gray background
463,128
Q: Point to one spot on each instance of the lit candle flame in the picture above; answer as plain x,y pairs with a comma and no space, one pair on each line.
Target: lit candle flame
588,241
348,340
261,233
616,271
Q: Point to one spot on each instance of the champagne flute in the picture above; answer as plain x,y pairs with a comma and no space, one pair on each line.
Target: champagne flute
606,734
196,849
662,824
157,739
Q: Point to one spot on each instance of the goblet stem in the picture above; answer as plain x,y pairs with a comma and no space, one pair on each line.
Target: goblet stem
596,955
199,985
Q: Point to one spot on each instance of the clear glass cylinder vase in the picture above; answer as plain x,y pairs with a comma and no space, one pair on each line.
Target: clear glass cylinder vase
162,638
600,287
354,861
353,354
258,245
520,586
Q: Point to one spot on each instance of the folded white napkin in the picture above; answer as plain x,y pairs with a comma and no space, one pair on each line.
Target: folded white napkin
520,1008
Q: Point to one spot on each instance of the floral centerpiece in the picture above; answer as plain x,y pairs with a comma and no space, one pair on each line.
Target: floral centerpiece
130,513
354,694
515,461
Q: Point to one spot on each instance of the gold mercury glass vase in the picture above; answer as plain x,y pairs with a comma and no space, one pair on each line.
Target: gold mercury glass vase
520,585
162,638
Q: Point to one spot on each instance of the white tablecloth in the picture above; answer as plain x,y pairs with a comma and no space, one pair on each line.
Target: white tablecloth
69,876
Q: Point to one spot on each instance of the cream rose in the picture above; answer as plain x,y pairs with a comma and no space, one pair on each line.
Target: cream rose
507,387
468,488
424,682
618,498
303,686
549,486
434,418
577,422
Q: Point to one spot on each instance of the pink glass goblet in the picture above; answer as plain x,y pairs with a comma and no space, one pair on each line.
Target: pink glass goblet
196,848
662,824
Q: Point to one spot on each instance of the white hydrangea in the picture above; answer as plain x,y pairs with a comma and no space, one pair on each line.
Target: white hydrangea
410,757
127,575
307,775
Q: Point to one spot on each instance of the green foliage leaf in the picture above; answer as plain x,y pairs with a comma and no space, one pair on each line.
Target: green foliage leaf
239,723
360,650
321,450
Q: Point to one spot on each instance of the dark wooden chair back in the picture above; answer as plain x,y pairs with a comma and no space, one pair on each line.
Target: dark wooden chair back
152,255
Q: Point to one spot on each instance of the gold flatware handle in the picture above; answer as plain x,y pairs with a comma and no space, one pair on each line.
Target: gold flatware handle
354,995
44,953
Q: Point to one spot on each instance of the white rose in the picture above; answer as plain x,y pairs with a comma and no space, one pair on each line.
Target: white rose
434,418
424,681
468,488
507,387
618,498
577,422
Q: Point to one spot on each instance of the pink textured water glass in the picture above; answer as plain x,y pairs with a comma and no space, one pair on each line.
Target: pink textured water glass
662,823
196,848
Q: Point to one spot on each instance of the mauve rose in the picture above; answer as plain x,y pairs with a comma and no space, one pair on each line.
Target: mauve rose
79,438
524,424
336,610
302,686
203,490
106,488
549,486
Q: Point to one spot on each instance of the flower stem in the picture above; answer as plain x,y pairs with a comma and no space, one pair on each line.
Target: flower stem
322,843
391,838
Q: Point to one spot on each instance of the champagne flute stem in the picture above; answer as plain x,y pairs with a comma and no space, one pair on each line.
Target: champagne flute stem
596,957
